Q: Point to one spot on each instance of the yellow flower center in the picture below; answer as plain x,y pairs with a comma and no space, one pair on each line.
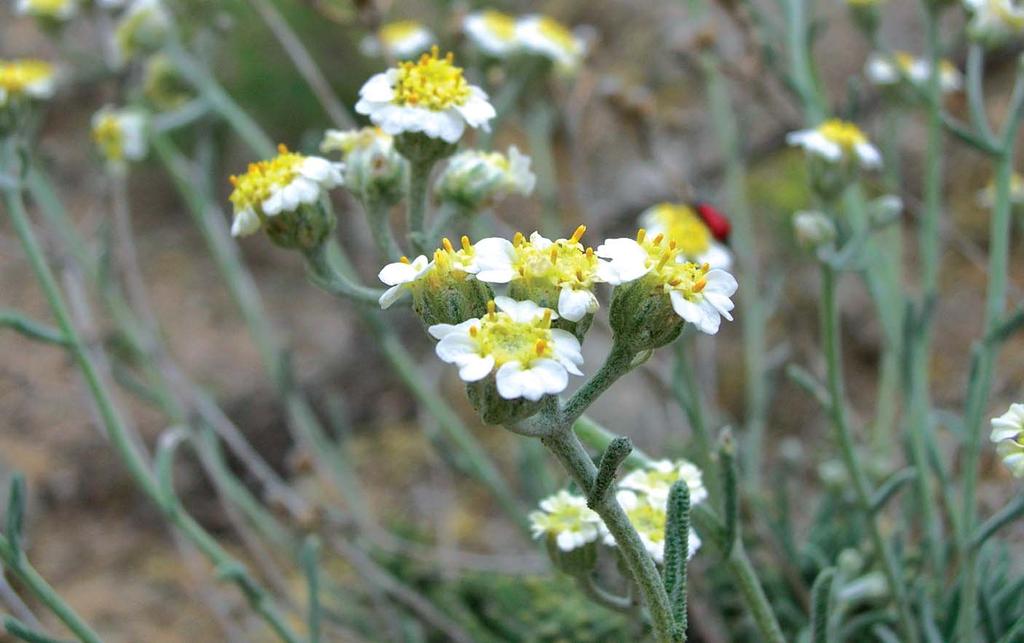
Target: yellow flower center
48,7
564,263
683,226
16,76
393,33
262,178
507,340
432,82
109,136
685,277
842,133
501,25
649,520
448,260
904,61
565,518
557,33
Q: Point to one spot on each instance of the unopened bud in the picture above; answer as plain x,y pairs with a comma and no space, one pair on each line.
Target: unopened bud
813,229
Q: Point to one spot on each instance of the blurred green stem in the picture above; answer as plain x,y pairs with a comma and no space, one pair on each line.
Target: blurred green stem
419,187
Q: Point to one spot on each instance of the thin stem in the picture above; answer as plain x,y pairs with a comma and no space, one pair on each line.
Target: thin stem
1006,515
975,92
800,68
379,220
833,355
416,212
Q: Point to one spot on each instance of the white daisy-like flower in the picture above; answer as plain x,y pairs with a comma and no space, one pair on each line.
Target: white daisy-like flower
403,275
547,37
699,293
492,31
656,480
837,141
430,96
681,224
401,39
994,21
538,266
47,9
371,160
566,518
120,134
515,341
885,70
648,516
278,186
1008,436
475,178
26,78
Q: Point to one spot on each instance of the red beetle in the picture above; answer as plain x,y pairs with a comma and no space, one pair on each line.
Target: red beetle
717,222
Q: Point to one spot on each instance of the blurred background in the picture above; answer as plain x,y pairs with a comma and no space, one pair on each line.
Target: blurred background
635,132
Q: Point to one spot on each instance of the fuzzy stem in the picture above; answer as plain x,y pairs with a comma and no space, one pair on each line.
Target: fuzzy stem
419,182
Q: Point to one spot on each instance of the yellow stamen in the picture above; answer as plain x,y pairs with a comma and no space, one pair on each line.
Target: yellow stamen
466,245
282,148
404,259
546,320
518,239
699,286
657,239
541,345
473,330
447,244
640,235
578,234
491,306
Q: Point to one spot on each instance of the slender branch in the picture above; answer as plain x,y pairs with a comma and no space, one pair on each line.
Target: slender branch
31,328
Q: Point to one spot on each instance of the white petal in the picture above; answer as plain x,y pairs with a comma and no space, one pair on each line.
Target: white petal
869,155
475,369
246,222
390,296
575,304
400,272
626,261
379,88
567,350
457,347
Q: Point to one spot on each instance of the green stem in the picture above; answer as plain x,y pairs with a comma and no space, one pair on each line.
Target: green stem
833,355
19,565
419,184
379,220
800,68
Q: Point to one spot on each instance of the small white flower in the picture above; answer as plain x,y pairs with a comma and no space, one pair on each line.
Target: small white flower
371,160
994,21
400,274
430,96
1008,436
402,39
562,268
48,9
280,185
837,141
699,294
515,340
475,178
648,517
492,31
448,263
565,517
26,78
682,225
885,70
547,37
120,134
813,228
657,478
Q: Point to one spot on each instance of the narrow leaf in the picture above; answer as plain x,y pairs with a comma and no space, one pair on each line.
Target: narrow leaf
890,487
16,514
21,631
677,552
617,451
730,488
821,598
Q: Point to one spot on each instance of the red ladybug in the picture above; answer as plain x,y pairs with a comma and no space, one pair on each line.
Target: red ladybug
717,222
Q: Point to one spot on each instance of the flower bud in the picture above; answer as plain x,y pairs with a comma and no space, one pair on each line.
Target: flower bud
51,15
163,85
850,562
476,179
577,562
813,229
374,170
994,22
144,27
305,228
417,147
642,316
495,410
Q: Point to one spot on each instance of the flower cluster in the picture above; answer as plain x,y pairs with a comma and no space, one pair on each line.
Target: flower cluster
400,39
993,22
837,151
51,11
1008,436
501,35
475,179
565,519
900,67
430,95
26,79
120,135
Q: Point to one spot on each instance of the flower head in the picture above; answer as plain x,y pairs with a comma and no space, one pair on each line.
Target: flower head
27,78
1008,436
551,39
448,263
648,516
837,141
55,10
566,518
656,480
120,134
987,196
430,96
994,21
699,294
401,39
559,273
887,71
143,27
475,179
516,342
681,224
492,31
373,167
813,229
271,192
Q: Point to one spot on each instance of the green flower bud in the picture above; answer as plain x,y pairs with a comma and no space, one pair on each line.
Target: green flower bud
419,148
374,170
143,28
496,410
578,562
304,228
642,316
475,179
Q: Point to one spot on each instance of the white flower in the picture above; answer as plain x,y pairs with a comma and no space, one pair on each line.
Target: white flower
994,21
516,340
492,31
280,185
49,9
540,266
682,225
402,39
657,478
120,134
371,160
885,70
1008,436
565,517
837,141
648,517
399,275
699,294
549,38
403,275
813,228
27,78
429,96
143,27
475,178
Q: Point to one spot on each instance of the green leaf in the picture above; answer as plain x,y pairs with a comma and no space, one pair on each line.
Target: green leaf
16,513
821,599
617,451
677,551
